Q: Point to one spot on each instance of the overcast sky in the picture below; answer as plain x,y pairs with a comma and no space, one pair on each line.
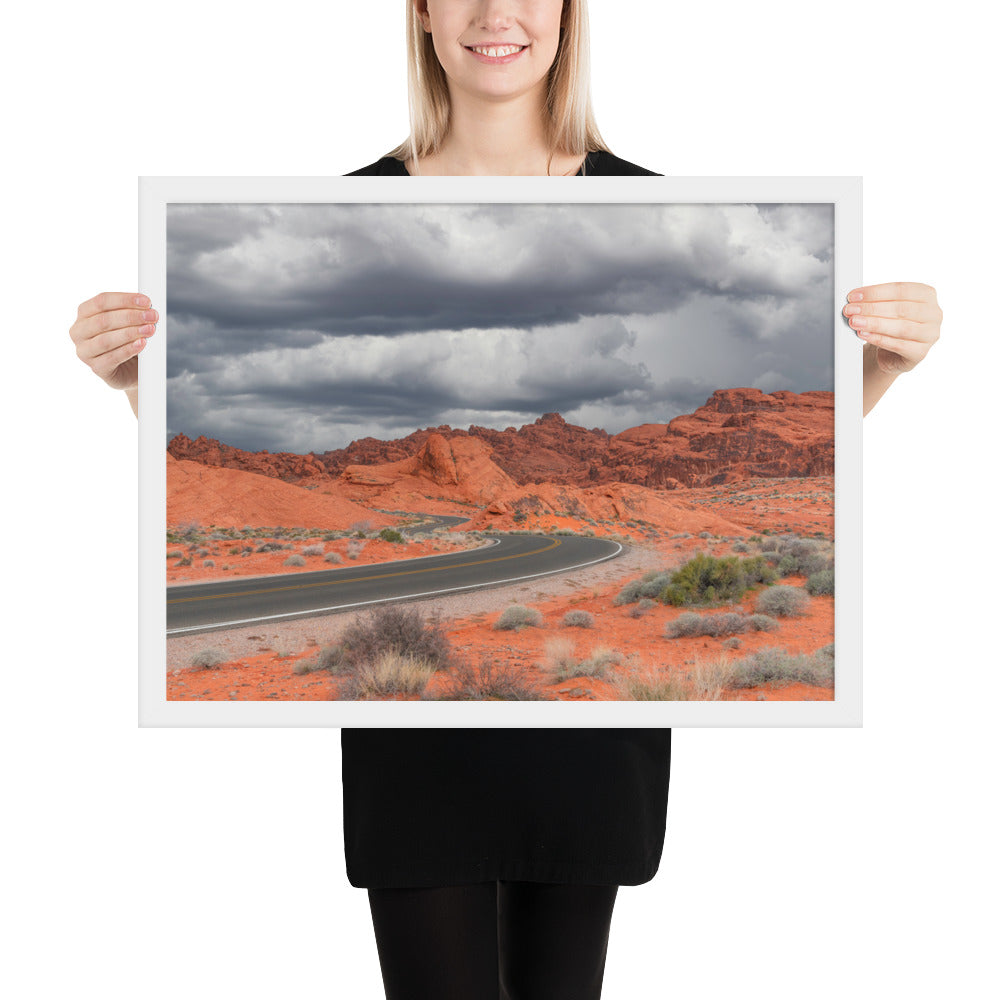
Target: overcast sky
303,327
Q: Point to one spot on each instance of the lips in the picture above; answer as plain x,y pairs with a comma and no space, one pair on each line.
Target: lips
496,53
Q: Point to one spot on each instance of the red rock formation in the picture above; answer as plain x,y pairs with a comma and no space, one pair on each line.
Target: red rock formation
739,433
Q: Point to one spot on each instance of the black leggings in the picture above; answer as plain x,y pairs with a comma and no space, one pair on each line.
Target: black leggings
493,941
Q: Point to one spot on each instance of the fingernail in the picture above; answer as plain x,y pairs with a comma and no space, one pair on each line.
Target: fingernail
855,297
851,310
150,315
859,322
141,301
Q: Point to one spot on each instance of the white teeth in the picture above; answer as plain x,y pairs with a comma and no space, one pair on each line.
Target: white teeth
496,51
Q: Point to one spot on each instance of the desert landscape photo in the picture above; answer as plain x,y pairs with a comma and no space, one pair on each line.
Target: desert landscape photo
479,452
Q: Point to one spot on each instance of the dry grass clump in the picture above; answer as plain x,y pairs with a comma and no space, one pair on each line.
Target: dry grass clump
561,661
389,673
776,666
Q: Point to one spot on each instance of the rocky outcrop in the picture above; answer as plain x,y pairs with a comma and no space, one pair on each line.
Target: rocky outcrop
737,434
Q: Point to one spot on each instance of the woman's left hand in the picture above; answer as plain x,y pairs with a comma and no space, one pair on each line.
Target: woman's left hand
902,319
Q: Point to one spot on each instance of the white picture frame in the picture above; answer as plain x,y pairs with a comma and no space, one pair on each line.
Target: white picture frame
157,194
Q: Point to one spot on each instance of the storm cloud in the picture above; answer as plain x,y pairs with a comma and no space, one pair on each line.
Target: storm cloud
303,327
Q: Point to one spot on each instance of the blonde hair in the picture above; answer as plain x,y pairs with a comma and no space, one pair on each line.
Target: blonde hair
571,127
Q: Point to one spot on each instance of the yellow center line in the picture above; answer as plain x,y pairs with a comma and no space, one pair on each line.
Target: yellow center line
361,579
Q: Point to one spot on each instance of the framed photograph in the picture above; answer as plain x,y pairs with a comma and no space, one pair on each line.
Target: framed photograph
500,452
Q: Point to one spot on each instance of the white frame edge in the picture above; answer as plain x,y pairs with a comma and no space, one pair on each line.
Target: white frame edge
155,193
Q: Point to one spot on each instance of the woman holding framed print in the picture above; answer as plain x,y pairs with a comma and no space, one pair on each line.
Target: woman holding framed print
501,87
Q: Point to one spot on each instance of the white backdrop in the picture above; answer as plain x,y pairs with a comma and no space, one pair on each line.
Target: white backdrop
207,863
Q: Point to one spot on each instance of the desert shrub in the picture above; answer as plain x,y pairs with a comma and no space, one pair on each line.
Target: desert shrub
640,683
704,534
684,625
333,557
782,601
208,563
360,527
776,666
270,547
390,535
821,582
733,642
354,548
826,650
313,550
517,617
175,555
208,659
186,561
741,547
332,658
728,623
394,627
652,583
638,610
629,594
578,619
493,680
763,623
294,560
707,579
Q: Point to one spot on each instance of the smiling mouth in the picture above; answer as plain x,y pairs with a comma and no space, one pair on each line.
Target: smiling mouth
496,51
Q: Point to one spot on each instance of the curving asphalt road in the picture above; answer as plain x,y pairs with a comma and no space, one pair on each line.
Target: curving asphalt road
228,603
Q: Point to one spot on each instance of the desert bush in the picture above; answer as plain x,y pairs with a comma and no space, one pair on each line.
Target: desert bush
776,666
707,579
493,680
517,617
333,557
313,550
640,683
294,560
653,583
354,548
390,535
208,563
398,628
741,547
578,619
690,624
360,527
186,561
733,642
208,659
639,609
782,601
630,593
821,582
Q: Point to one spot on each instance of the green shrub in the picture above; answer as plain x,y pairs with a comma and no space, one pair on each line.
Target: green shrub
390,535
710,580
578,619
517,617
630,593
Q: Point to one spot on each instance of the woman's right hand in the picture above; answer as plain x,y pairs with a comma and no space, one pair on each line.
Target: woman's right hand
110,331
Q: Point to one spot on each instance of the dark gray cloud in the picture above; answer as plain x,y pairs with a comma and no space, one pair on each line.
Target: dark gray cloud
301,327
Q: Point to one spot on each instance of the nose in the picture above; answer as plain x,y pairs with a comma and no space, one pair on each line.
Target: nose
495,15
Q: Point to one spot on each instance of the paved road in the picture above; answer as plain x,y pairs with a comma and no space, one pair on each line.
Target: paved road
507,558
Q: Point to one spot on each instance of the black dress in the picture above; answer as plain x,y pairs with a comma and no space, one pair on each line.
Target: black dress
427,807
